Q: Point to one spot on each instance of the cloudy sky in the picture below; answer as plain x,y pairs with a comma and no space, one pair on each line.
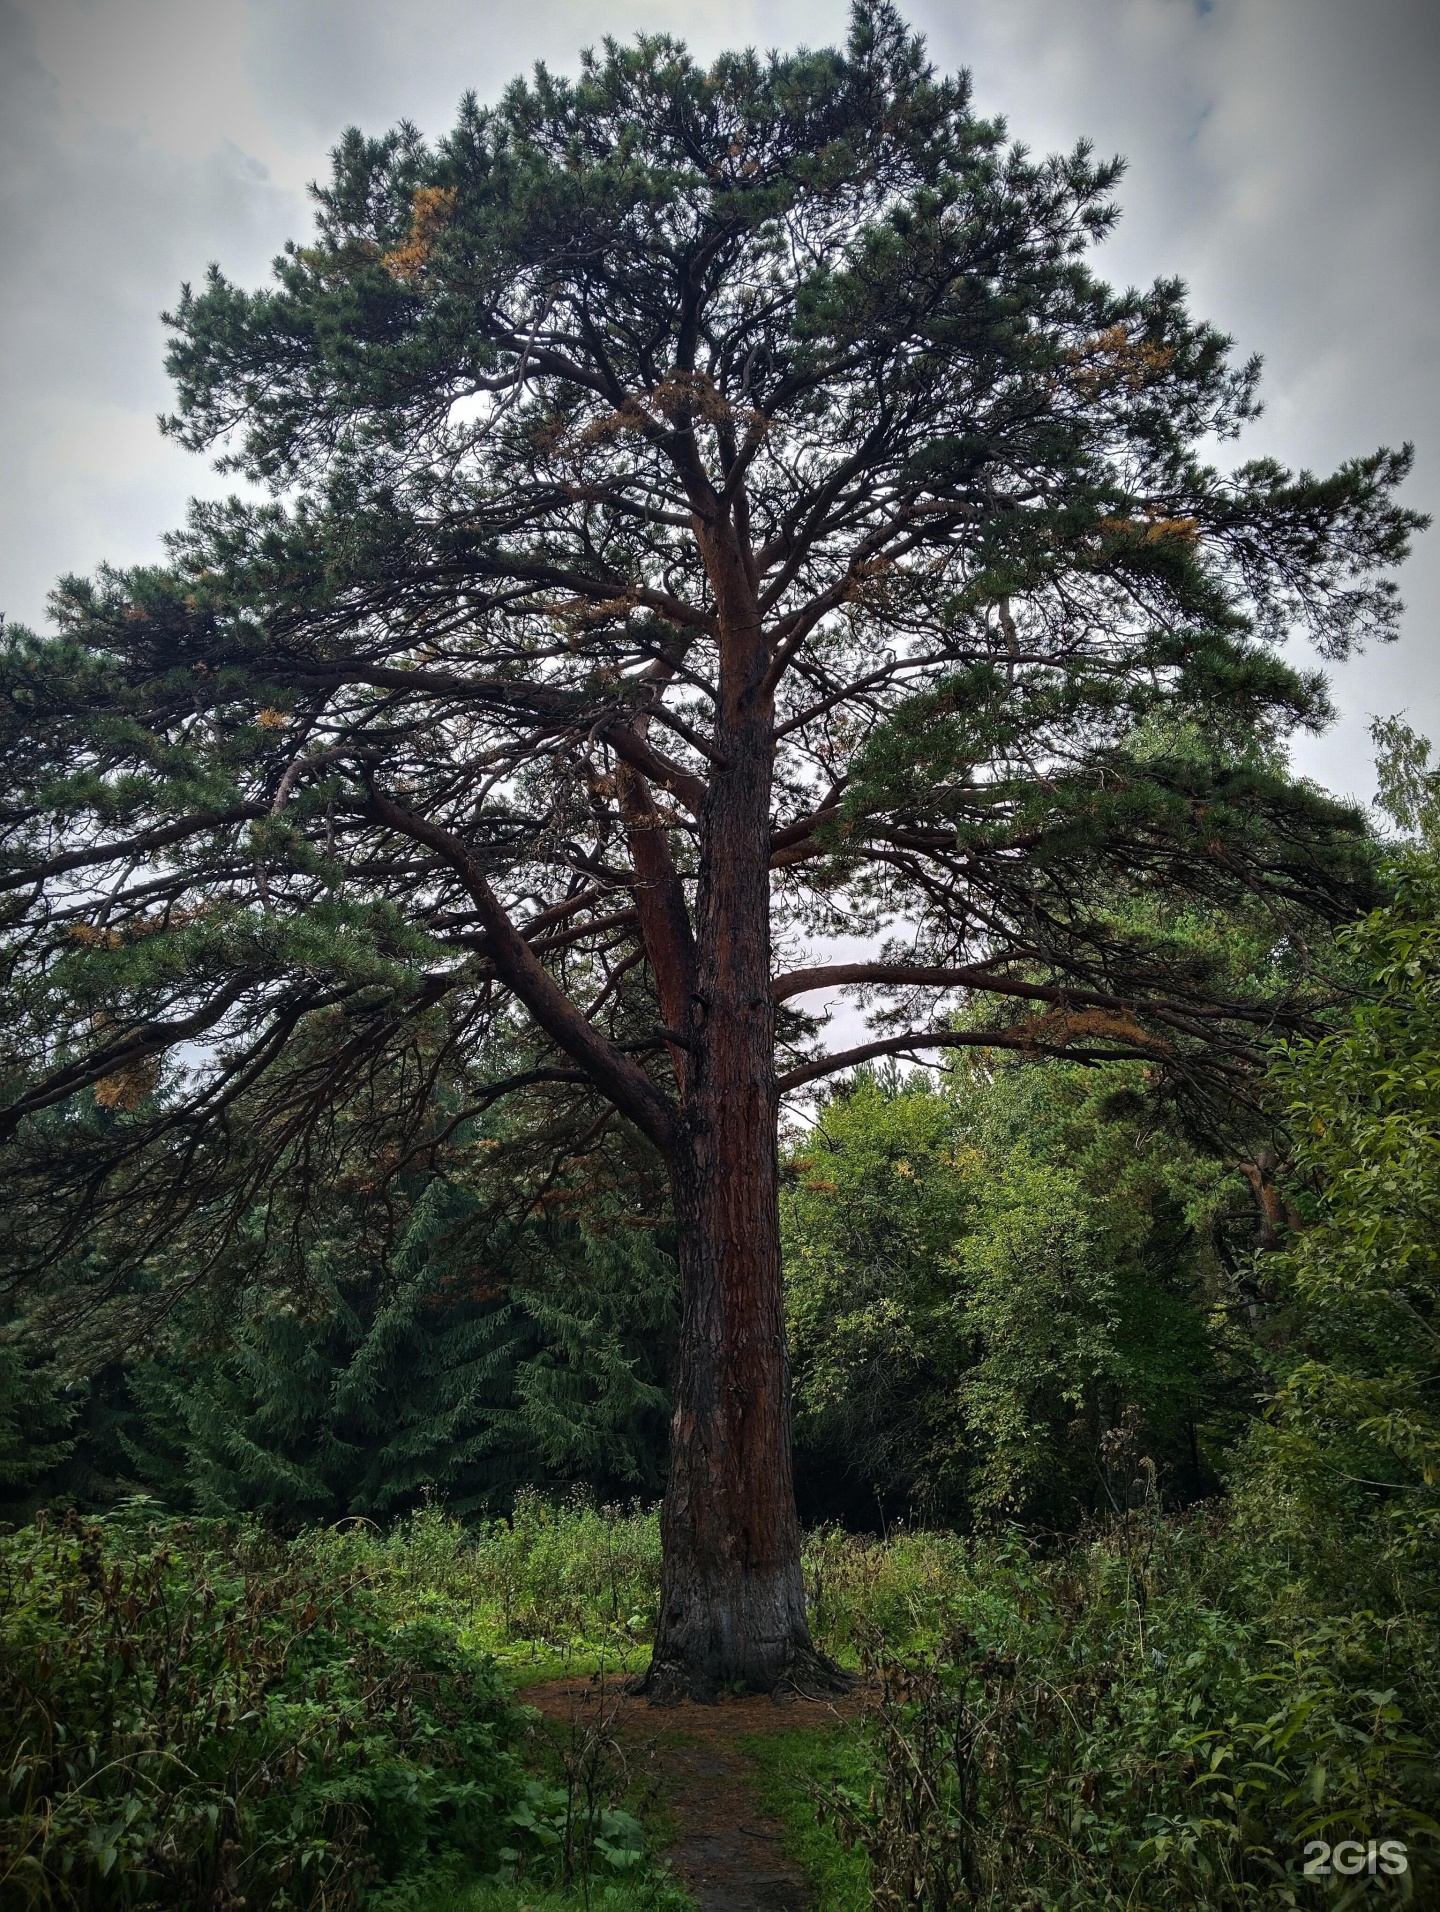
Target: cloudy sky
1284,159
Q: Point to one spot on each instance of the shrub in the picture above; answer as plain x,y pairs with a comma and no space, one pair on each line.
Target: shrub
199,1714
1135,1723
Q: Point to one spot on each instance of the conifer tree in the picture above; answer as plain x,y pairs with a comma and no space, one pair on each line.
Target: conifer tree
35,1429
457,1368
711,508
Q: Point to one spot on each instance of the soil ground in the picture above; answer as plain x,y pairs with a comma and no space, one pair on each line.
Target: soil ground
693,1762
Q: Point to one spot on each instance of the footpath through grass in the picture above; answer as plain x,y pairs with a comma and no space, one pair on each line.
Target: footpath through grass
794,1770
1162,1714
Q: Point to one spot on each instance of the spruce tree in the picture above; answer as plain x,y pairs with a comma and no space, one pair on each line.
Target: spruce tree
455,1368
35,1431
711,507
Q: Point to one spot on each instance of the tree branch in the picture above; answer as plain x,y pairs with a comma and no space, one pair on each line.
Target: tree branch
517,965
138,1045
946,1039
798,982
665,926
136,846
537,700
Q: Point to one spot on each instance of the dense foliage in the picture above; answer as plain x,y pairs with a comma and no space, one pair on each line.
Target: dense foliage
1172,1713
1163,1712
1152,1720
383,1390
195,1715
991,1280
465,1333
1356,1425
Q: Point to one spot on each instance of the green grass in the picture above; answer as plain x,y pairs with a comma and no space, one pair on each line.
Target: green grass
560,1590
790,1769
654,1891
533,1662
568,1588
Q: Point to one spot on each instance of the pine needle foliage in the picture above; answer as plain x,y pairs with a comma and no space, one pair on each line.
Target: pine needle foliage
396,776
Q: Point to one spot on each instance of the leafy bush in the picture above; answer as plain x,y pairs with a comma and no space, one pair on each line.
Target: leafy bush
1350,1453
982,1278
905,1586
1133,1723
573,1818
195,1714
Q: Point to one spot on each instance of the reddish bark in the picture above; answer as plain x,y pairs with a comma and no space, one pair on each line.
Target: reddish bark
732,1607
660,904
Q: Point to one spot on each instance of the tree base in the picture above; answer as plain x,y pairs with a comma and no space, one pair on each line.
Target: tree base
804,1675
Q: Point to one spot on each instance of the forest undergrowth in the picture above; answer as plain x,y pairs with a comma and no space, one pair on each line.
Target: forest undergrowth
1159,1712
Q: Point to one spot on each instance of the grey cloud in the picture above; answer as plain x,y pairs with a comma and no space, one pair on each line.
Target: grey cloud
1284,158
98,228
326,63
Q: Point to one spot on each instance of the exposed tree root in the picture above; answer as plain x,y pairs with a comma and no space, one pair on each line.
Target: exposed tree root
805,1675
812,1675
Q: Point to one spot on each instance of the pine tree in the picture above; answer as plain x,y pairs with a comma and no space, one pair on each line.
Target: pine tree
711,507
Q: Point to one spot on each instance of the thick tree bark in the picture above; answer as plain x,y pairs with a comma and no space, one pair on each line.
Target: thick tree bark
732,1608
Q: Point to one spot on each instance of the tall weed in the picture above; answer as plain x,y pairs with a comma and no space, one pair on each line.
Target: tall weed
192,1714
558,1578
1098,1731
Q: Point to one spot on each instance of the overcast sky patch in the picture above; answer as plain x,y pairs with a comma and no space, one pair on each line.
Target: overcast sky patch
1284,158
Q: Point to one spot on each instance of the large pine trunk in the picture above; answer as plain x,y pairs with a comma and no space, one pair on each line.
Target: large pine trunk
732,1608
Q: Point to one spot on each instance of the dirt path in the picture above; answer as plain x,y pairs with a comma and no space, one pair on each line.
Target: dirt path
729,1854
